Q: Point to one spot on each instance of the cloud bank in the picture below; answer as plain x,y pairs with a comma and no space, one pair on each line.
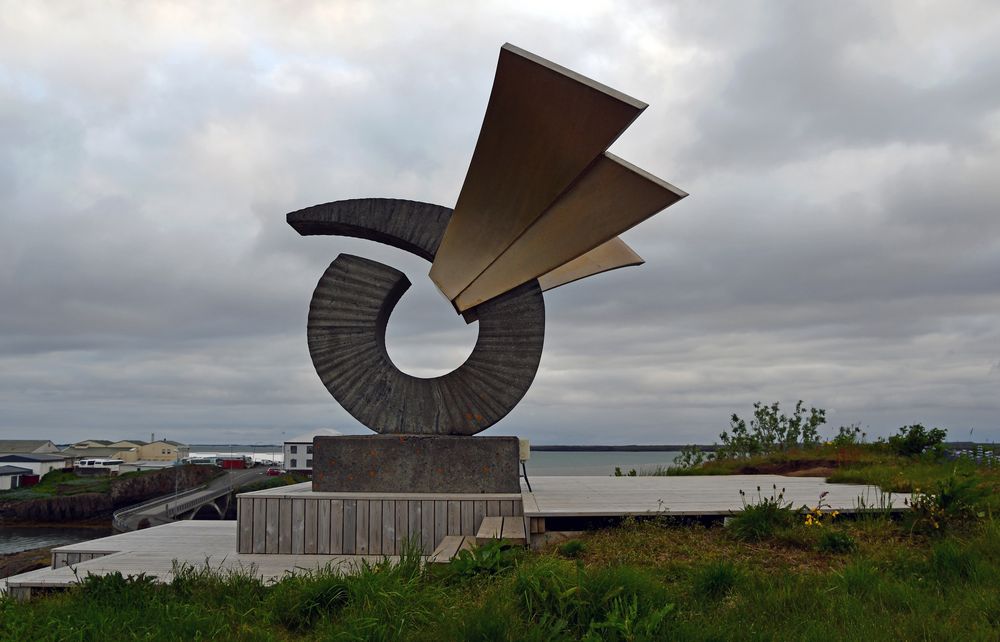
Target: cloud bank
841,244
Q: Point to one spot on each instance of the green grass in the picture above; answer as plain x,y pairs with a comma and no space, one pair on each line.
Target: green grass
871,578
60,482
274,482
642,581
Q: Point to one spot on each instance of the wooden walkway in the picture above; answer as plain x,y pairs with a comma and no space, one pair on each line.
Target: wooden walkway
692,495
158,551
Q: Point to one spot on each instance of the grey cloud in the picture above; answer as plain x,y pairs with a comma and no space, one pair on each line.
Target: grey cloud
839,245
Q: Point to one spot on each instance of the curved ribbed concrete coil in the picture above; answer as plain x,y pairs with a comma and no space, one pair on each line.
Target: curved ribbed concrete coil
350,310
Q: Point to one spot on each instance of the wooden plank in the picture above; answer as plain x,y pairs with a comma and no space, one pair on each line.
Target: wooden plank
361,531
468,517
336,526
375,517
440,521
388,527
528,504
323,526
285,528
402,523
245,523
259,521
413,510
350,523
271,526
298,526
506,508
513,530
427,541
518,507
454,517
310,526
447,549
493,507
491,528
478,513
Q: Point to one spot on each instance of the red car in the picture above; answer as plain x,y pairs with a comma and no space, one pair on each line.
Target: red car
274,472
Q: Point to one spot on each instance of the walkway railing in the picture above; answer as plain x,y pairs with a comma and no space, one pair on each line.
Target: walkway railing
175,509
119,516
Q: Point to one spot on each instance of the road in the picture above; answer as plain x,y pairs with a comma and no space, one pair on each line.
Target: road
161,510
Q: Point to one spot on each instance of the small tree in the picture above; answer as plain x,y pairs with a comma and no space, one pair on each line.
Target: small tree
771,430
849,436
915,440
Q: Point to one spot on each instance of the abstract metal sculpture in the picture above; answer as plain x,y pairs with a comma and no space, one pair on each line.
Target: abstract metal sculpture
541,206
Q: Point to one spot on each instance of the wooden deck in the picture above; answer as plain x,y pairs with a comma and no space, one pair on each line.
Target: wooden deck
693,495
157,551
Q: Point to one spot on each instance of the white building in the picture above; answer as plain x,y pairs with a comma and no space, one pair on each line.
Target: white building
39,464
298,451
10,476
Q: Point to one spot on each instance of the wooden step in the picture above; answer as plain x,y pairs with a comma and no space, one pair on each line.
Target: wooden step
449,548
513,530
510,528
491,528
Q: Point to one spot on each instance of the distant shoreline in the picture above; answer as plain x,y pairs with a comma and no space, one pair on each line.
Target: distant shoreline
569,448
630,448
635,448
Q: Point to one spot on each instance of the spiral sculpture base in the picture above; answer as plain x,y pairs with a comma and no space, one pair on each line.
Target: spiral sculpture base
415,464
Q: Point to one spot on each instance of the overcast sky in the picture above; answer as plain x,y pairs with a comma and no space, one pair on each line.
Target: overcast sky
841,243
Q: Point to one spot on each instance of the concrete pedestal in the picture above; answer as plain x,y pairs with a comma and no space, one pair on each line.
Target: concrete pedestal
416,464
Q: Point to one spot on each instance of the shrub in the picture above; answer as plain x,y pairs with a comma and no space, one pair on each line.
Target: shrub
951,563
915,440
611,603
573,548
860,578
848,436
690,457
950,501
298,601
115,589
492,558
760,519
716,579
831,541
771,430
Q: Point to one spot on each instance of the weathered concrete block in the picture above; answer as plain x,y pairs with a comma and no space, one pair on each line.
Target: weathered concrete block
416,464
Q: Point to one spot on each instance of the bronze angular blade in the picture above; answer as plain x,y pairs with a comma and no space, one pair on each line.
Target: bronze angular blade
544,125
607,256
609,198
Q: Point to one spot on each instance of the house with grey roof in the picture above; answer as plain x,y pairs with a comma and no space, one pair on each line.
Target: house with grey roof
38,463
27,446
10,476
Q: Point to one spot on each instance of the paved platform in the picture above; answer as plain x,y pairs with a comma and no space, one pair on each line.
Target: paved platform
684,495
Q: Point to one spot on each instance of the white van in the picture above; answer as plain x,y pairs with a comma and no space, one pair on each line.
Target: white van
110,465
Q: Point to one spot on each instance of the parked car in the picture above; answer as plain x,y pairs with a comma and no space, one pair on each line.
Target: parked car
274,472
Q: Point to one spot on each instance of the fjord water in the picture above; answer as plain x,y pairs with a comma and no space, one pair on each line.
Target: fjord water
585,463
22,538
